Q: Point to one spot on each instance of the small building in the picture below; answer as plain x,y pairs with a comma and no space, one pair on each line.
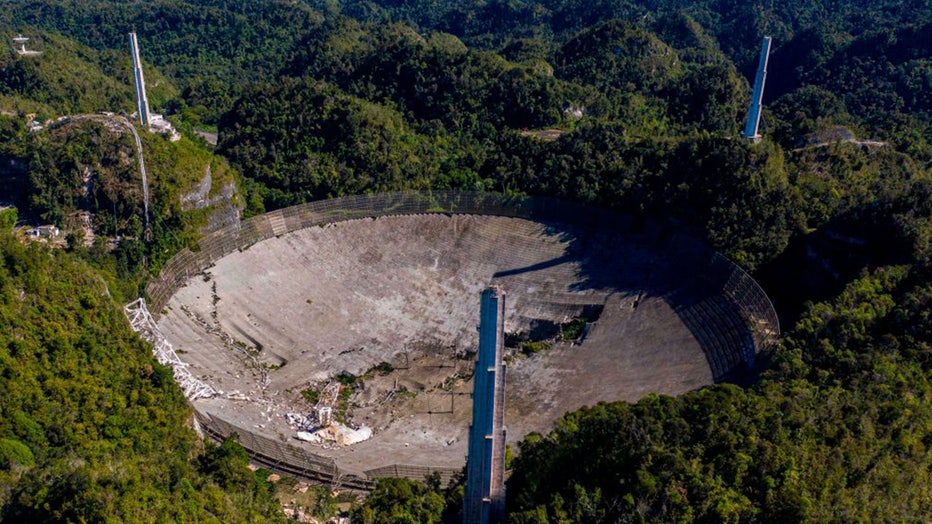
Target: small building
47,231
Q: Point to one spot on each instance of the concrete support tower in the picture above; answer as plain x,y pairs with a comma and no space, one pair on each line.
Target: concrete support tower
484,497
750,129
142,103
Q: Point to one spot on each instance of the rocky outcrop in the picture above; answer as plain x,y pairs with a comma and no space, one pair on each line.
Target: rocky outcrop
223,205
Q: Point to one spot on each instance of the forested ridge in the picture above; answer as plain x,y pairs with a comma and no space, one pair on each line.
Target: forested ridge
92,428
627,105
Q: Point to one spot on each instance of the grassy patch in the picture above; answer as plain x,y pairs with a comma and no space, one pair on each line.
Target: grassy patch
572,330
531,348
381,369
346,378
343,403
311,395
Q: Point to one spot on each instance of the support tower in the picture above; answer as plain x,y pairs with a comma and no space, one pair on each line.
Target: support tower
20,40
750,129
142,103
484,497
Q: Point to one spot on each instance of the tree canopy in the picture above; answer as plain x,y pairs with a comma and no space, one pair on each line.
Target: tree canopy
626,105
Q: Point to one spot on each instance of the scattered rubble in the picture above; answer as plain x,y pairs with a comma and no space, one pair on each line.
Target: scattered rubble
336,433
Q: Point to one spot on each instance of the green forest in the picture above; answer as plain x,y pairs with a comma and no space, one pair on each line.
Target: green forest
629,105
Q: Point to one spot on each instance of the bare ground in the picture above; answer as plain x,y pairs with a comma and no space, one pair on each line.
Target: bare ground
292,312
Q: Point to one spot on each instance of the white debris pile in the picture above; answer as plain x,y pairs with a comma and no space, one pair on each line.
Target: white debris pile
352,436
145,326
336,433
301,421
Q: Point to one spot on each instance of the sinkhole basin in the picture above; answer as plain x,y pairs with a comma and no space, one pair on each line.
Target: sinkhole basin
385,288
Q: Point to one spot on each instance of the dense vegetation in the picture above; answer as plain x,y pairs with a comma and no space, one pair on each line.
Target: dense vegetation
628,105
92,428
838,430
211,49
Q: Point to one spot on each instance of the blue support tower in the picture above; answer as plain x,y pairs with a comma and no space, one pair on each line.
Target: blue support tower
484,496
750,129
142,102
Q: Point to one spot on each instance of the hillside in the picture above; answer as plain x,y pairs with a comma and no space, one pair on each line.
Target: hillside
627,105
210,49
92,428
70,78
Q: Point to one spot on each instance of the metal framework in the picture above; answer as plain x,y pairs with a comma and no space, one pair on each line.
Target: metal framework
142,322
484,494
750,128
324,407
20,41
299,462
142,102
754,305
753,326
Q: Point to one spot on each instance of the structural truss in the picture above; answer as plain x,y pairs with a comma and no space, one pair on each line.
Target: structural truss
142,102
751,127
143,324
484,494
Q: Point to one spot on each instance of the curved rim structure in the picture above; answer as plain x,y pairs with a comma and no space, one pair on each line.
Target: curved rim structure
724,310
